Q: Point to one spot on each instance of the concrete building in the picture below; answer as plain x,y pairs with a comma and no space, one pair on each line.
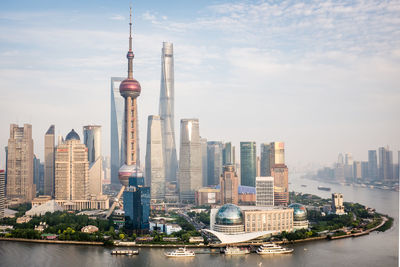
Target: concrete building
365,170
228,154
214,162
71,169
190,161
337,204
167,97
204,169
372,165
207,196
92,140
265,191
2,192
248,163
357,171
229,184
385,164
247,195
265,154
20,164
117,129
49,158
38,174
277,155
281,184
155,165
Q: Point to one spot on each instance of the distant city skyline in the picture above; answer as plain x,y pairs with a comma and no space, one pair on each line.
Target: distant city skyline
332,79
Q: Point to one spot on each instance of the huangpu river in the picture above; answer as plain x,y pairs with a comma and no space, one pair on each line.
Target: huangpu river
375,249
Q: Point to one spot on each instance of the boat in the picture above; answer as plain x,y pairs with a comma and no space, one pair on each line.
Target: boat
236,251
271,248
128,252
324,188
179,253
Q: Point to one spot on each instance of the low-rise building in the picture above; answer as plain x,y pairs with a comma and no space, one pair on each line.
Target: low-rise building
196,239
90,229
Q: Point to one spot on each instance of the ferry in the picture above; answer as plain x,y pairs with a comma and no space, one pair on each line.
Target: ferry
128,252
272,248
179,253
236,251
324,188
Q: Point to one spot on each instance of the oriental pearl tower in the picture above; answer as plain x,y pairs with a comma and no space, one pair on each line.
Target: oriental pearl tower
130,90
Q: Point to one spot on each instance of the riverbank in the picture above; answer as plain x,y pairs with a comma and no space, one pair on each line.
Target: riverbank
53,241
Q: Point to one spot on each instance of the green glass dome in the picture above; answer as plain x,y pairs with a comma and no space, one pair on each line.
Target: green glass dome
229,214
299,212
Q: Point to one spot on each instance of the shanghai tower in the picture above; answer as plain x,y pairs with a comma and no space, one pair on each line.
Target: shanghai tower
167,111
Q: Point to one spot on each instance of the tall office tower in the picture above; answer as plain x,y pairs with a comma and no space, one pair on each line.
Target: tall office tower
357,172
229,183
348,166
190,165
385,164
20,163
38,174
117,129
214,162
6,150
348,159
264,191
398,165
204,168
389,165
281,184
137,204
364,170
167,96
155,166
265,166
277,154
49,148
337,203
130,89
92,140
227,158
2,192
340,159
372,165
258,166
71,169
248,163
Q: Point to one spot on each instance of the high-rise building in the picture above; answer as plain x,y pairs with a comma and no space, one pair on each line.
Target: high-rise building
277,154
167,96
265,166
49,157
137,204
264,191
229,183
248,163
204,169
258,166
357,171
155,166
214,162
2,192
340,159
348,159
38,174
71,169
337,203
92,140
190,165
281,184
130,90
372,165
364,170
117,129
20,163
385,164
227,154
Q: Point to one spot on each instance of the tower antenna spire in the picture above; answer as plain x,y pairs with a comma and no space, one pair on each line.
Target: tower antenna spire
130,27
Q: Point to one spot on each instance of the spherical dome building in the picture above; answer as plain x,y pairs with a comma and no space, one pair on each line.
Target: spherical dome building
72,135
299,216
127,171
130,87
229,219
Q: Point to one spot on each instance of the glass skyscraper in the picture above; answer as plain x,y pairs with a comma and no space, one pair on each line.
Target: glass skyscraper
248,161
214,162
167,110
117,129
92,140
265,157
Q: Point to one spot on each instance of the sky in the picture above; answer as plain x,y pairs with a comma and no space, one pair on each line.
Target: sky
321,76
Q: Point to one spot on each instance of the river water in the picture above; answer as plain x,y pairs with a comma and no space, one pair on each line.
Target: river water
375,249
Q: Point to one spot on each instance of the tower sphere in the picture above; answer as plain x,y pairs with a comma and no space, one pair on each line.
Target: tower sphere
127,171
130,87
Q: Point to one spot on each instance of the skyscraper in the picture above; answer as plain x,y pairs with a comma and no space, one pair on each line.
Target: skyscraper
265,166
372,165
167,96
155,166
92,140
2,192
190,165
277,155
385,164
337,203
20,163
227,158
229,183
264,191
248,163
71,169
49,150
214,162
281,184
130,89
204,168
117,129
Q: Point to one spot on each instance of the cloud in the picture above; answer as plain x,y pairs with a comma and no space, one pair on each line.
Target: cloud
117,17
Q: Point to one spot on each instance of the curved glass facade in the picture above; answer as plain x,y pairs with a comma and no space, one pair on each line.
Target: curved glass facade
299,212
229,214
